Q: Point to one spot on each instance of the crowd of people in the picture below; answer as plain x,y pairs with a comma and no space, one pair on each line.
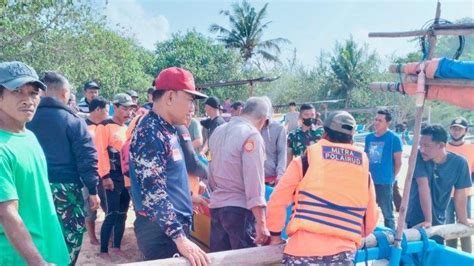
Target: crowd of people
60,161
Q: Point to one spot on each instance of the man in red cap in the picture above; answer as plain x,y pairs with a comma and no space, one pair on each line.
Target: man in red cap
161,192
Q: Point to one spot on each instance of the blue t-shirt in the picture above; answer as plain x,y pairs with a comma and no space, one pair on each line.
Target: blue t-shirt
442,178
380,151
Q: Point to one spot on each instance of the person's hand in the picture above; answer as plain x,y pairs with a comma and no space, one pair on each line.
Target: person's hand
276,240
200,200
262,233
202,188
467,222
425,224
189,250
108,184
94,202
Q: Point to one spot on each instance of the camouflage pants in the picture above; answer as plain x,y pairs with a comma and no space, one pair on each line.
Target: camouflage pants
340,259
69,204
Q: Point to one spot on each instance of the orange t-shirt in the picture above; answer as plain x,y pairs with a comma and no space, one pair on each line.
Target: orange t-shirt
320,244
466,150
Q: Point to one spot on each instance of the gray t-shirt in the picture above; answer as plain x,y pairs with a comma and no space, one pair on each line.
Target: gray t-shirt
291,119
453,173
195,132
274,136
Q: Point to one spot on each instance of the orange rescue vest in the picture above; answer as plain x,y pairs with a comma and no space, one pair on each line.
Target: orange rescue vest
332,197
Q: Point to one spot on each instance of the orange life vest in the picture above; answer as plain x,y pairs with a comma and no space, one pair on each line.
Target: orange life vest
110,139
332,197
466,150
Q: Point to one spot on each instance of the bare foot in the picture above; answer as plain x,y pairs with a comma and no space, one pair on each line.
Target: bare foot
95,242
105,256
116,252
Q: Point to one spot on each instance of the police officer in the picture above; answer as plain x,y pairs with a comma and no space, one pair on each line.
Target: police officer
237,200
333,195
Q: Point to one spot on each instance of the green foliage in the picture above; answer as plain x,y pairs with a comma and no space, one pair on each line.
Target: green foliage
245,33
207,61
352,66
71,38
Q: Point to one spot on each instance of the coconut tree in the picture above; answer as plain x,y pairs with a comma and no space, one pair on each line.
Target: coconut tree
351,66
245,33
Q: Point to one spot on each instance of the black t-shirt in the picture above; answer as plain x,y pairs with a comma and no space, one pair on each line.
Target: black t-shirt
453,173
212,124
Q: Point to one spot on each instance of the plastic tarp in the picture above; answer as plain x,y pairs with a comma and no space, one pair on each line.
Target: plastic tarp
443,68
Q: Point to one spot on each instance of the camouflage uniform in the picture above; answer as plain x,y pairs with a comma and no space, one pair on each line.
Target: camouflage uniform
298,140
69,204
340,259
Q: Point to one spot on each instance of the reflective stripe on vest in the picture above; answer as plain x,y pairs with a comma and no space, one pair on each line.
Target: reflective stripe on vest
332,197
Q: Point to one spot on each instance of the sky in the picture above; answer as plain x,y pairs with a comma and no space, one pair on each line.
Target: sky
311,26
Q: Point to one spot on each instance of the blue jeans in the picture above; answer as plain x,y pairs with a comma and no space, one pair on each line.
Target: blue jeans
384,195
466,242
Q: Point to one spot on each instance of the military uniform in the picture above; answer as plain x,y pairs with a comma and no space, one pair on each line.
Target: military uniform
298,139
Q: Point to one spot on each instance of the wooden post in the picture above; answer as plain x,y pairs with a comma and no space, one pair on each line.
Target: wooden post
414,149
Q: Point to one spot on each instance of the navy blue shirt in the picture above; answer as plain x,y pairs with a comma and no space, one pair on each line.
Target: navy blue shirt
453,173
160,172
380,151
67,144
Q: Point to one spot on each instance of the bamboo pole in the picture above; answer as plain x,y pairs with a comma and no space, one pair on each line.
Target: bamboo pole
412,79
273,254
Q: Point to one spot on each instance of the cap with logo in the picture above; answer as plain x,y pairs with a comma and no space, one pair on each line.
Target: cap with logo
177,79
91,85
123,99
341,121
15,74
460,122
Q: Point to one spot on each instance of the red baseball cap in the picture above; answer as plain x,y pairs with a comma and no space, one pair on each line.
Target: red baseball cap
178,79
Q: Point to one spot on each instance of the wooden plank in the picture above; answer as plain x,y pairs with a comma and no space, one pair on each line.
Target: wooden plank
272,254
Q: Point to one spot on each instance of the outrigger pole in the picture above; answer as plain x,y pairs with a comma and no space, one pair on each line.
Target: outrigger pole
223,83
420,100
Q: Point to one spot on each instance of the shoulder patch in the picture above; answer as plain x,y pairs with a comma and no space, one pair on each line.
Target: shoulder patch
186,137
249,145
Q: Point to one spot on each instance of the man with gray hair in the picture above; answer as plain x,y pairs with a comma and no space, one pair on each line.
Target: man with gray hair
237,201
71,158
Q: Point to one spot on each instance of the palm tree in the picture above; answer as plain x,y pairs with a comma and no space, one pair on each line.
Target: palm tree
351,66
246,31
